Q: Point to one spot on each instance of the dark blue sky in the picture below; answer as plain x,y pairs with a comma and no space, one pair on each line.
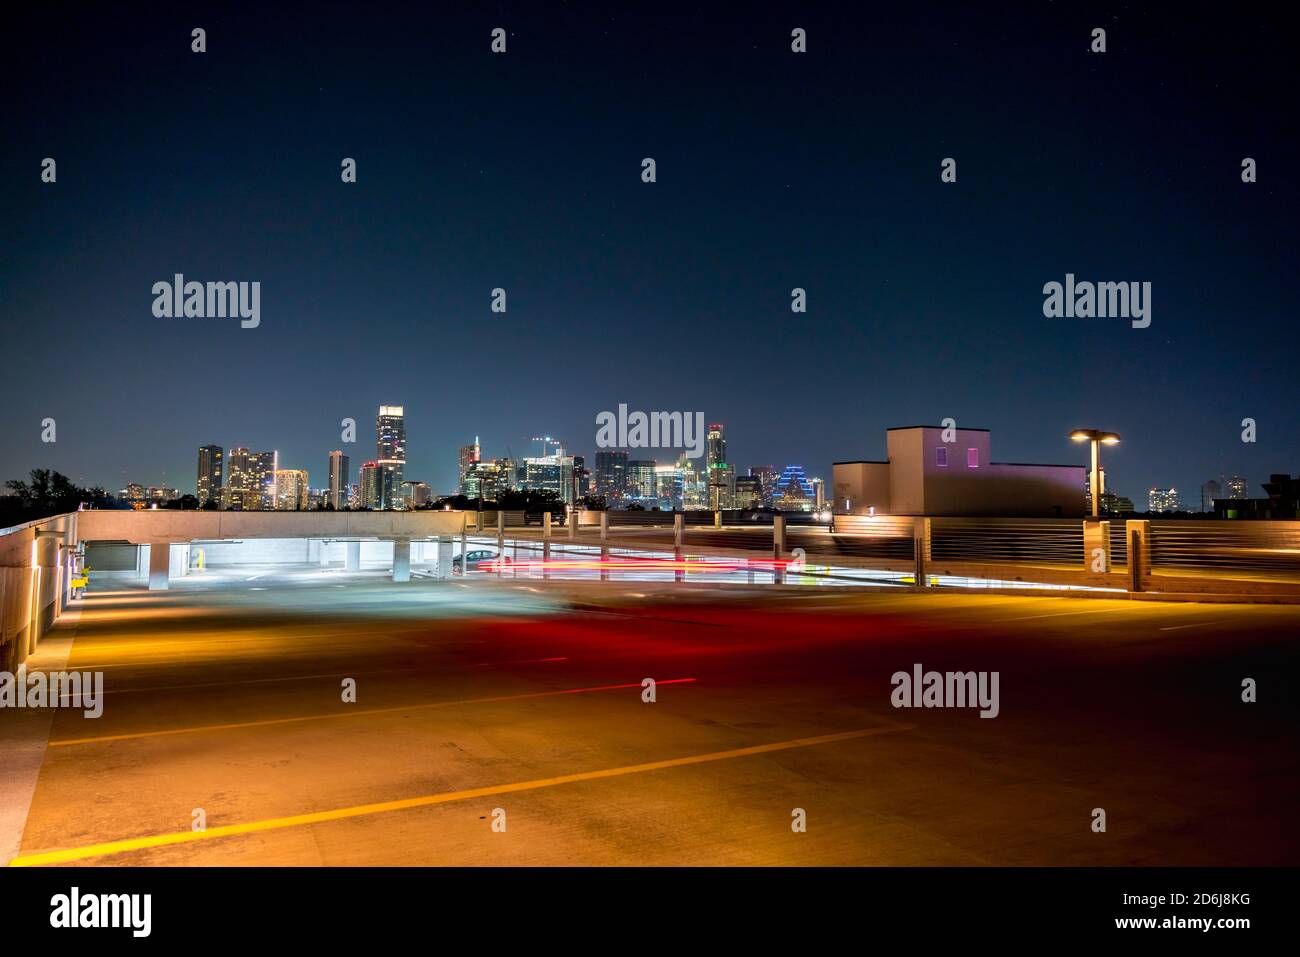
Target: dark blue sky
522,171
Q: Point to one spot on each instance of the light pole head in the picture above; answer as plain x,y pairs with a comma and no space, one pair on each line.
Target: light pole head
1095,435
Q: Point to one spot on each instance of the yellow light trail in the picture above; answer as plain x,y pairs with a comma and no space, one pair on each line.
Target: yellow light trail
318,817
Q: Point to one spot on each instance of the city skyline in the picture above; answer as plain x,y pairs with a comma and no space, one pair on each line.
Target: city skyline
924,298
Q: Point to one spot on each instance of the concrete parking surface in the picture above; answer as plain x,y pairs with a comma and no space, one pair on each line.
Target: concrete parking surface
224,701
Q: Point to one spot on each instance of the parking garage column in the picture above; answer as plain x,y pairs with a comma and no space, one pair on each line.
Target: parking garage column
47,559
160,563
1096,546
353,560
679,528
921,550
444,556
1139,551
402,560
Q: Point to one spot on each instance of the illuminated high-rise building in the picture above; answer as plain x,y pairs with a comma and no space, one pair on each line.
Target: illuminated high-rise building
210,475
338,487
717,445
611,474
368,491
767,476
290,490
1162,500
470,455
489,479
265,465
1238,487
722,477
250,481
390,457
642,481
238,482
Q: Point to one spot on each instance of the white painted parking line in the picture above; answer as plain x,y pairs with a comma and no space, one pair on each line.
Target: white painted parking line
1060,614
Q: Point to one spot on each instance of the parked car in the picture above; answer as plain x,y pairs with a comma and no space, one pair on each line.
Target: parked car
475,558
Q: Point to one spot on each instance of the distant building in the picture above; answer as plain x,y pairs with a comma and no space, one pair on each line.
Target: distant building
542,473
819,493
488,479
337,494
469,457
390,454
794,493
369,490
1112,504
265,465
767,476
1160,500
1209,492
749,491
290,490
642,481
1238,487
1283,501
416,494
722,475
210,475
923,475
611,474
250,481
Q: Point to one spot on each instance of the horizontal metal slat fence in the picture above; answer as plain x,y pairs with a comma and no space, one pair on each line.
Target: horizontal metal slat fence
1015,541
1230,545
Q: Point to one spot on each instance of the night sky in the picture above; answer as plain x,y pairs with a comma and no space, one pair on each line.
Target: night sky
522,170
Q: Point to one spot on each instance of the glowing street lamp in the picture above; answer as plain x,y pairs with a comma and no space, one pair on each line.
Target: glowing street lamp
1098,438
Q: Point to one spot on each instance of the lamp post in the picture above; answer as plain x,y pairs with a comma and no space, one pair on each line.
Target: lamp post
1097,438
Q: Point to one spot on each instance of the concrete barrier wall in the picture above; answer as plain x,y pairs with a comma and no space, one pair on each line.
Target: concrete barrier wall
33,580
15,615
284,551
167,525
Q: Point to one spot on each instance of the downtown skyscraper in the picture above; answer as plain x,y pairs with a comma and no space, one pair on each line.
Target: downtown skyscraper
338,484
390,455
209,481
470,456
722,477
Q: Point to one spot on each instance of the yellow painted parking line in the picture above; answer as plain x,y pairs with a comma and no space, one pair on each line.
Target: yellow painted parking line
298,820
100,739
